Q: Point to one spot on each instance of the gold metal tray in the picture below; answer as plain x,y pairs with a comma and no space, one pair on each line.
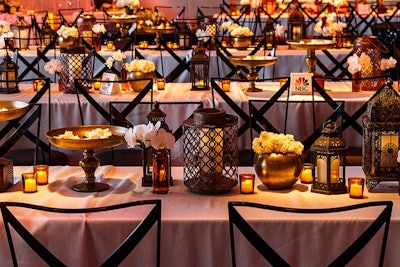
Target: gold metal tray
15,109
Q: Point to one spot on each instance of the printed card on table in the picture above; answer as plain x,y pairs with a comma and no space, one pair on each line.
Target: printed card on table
301,83
109,88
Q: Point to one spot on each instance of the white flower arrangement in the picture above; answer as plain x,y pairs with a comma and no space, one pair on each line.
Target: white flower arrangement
4,26
53,66
6,35
129,3
66,32
149,135
117,56
203,35
279,30
99,28
269,142
340,3
242,31
357,63
327,26
142,65
229,26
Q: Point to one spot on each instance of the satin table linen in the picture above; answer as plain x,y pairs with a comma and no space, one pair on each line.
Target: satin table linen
195,229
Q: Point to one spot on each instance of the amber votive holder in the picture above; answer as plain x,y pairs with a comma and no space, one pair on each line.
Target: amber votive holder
356,187
38,85
226,85
161,83
96,83
29,182
42,174
246,183
306,176
110,44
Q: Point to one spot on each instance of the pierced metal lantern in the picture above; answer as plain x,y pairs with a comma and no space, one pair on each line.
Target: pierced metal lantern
296,25
269,32
21,31
47,34
329,154
210,151
199,69
76,63
381,127
85,24
8,76
155,115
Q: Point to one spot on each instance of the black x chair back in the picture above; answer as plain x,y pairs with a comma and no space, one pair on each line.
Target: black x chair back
258,237
171,13
69,16
151,220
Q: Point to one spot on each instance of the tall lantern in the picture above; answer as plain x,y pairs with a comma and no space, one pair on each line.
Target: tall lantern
296,25
329,150
199,69
155,115
210,151
21,31
269,32
47,34
8,76
381,127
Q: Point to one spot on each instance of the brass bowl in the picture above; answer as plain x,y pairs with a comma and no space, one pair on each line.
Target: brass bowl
311,44
15,109
253,60
159,30
117,137
128,19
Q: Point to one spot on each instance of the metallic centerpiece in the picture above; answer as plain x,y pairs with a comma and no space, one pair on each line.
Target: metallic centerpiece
12,109
90,162
253,62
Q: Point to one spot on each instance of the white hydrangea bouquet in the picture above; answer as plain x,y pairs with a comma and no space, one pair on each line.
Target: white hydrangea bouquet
149,135
235,30
53,66
327,26
269,142
203,35
128,3
117,56
99,28
142,65
66,32
358,63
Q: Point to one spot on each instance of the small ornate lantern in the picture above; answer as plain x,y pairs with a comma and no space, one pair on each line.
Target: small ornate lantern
329,151
296,25
85,24
8,76
269,32
210,151
47,34
155,115
21,31
199,69
381,127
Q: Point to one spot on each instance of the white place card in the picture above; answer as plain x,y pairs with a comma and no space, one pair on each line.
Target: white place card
109,88
301,83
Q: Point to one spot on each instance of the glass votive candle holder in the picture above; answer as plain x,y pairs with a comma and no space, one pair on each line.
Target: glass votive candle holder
246,183
110,44
306,176
170,45
38,85
161,83
42,174
356,187
96,83
226,85
29,182
175,46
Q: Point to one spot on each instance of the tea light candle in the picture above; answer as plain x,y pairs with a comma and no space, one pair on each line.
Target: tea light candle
306,175
169,45
29,182
37,85
224,43
200,84
42,174
246,183
356,187
226,85
161,83
175,46
110,44
96,84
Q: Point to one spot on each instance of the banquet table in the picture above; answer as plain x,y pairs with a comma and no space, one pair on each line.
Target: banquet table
64,109
195,229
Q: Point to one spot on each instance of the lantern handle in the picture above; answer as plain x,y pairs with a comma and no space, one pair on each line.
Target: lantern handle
329,124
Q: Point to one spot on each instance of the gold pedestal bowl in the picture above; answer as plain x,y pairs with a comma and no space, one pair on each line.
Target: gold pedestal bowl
90,162
10,110
253,62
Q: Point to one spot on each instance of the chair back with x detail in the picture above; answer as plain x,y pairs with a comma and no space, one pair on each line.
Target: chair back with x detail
138,232
352,249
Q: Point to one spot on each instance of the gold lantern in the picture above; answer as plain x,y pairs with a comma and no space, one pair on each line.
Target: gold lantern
199,69
329,154
210,151
269,32
296,25
381,127
21,31
8,76
155,115
47,35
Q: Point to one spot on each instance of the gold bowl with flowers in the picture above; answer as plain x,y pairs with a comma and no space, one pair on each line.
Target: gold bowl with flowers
10,110
139,85
311,44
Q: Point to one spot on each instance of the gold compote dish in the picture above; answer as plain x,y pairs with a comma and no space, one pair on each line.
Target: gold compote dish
158,31
10,110
253,61
85,138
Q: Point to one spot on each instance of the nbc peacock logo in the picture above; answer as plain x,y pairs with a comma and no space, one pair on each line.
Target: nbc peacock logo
302,81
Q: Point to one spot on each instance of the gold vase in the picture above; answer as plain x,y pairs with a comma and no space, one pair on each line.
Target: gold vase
278,171
241,42
65,42
138,86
